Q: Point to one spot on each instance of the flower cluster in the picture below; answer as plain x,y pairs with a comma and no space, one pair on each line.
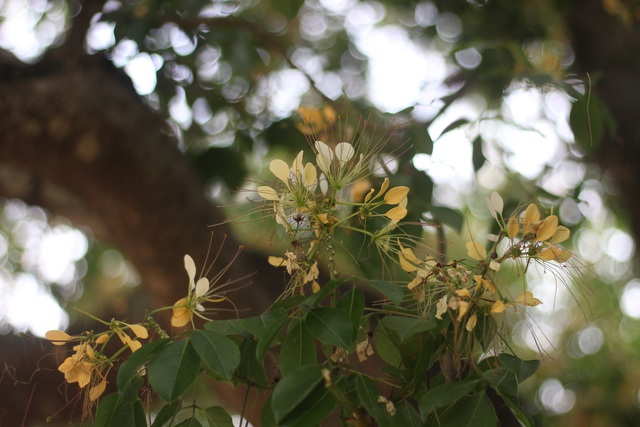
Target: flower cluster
467,290
312,201
89,365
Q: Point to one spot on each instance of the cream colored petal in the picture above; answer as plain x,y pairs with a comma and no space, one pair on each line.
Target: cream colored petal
476,251
296,166
554,253
396,195
202,286
383,188
463,307
344,152
495,204
276,261
268,193
190,266
324,157
280,169
494,265
441,307
463,293
310,175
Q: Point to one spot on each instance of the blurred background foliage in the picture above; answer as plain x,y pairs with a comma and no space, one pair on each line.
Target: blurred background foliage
480,96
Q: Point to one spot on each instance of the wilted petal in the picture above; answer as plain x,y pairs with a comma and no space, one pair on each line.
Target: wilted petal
463,293
547,228
562,235
396,195
344,152
498,307
476,251
280,169
441,307
383,188
96,391
471,323
463,307
527,298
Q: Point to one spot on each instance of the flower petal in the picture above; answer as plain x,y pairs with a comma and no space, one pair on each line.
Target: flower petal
396,214
344,152
324,157
441,307
202,286
96,391
268,193
513,228
527,298
57,337
276,261
547,228
396,195
562,235
310,175
139,330
531,216
471,323
495,204
476,251
190,266
280,169
498,307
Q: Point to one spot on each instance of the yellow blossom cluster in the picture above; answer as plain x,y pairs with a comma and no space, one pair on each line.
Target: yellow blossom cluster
313,200
469,290
89,365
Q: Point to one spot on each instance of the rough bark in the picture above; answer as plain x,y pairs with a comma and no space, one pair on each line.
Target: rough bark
77,139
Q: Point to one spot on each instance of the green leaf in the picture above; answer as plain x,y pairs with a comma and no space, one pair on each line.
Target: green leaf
406,416
301,399
173,369
312,300
477,157
298,348
445,395
113,411
454,125
368,396
389,290
474,411
219,353
353,304
448,216
331,326
406,327
522,368
218,417
267,417
189,422
227,327
385,348
502,380
250,368
288,303
259,325
513,404
269,336
167,412
128,380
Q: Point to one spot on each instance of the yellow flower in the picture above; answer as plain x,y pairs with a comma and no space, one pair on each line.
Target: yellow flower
58,337
531,219
513,228
198,293
476,251
527,298
498,307
547,228
471,323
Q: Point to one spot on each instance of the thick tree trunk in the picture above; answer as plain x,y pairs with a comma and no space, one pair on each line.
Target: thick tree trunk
609,50
79,141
